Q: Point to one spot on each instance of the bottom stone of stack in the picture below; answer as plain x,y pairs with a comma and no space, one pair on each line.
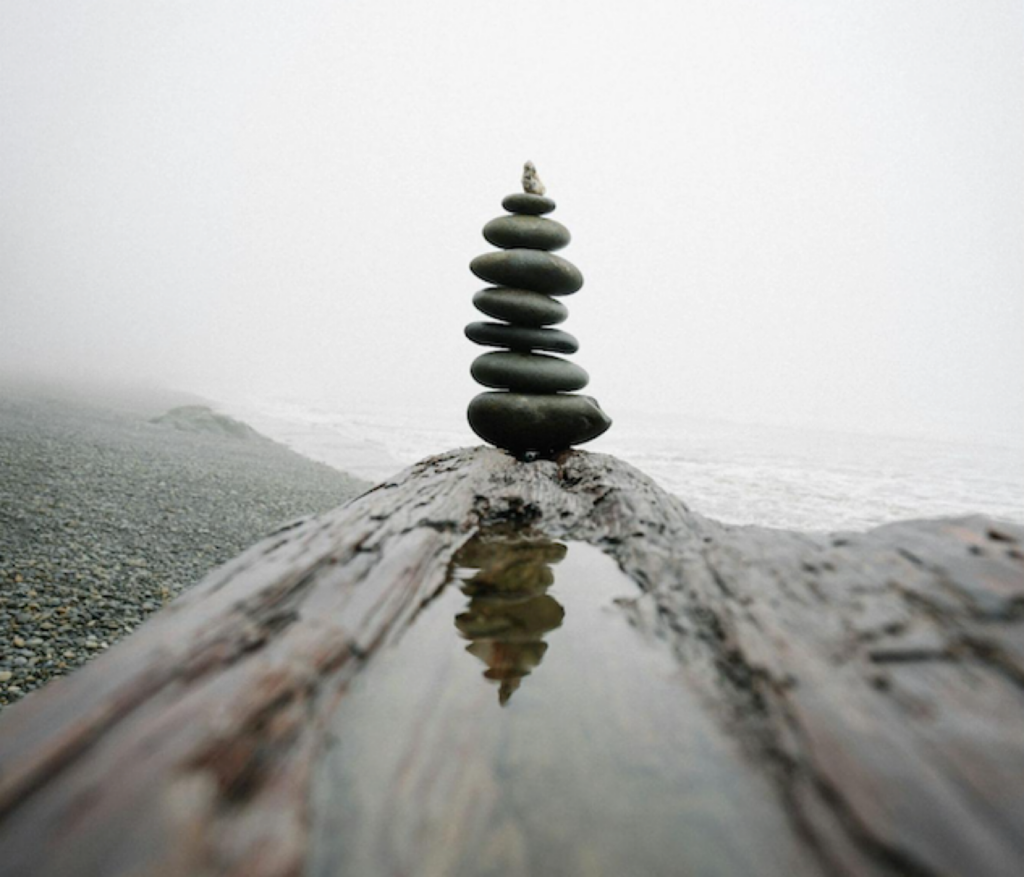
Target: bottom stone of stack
521,422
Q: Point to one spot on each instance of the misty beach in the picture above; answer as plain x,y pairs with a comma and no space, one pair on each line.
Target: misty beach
513,439
110,508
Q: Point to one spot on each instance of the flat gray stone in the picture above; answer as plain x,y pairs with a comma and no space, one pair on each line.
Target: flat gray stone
522,422
528,269
528,372
531,205
531,232
521,338
520,306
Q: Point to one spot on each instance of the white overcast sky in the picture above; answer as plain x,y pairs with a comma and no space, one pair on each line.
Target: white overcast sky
807,211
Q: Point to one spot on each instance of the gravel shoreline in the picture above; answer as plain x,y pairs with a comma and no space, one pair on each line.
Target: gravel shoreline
105,517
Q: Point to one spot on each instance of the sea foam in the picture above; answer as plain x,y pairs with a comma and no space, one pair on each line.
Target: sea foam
737,473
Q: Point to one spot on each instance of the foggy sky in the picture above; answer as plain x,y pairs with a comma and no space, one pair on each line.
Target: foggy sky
799,212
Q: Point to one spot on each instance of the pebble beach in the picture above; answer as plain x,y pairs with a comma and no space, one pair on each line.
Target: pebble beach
108,512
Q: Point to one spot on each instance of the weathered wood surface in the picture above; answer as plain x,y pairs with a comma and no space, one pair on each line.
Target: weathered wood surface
865,692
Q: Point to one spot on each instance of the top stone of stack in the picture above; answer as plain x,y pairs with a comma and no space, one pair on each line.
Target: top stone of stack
531,201
532,184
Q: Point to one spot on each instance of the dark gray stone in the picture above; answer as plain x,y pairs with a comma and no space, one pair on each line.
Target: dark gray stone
521,422
528,372
531,232
531,205
521,337
529,269
520,306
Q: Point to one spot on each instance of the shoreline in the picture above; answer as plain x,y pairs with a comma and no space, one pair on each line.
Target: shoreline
760,475
106,516
323,442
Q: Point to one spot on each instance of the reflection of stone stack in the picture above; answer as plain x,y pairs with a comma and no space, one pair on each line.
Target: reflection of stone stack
509,611
533,410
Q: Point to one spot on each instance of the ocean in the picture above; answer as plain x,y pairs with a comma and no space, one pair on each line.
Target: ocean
734,472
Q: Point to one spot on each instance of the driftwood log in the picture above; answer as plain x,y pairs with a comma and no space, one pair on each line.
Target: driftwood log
832,704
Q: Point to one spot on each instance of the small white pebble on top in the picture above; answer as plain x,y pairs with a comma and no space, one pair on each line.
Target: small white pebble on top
531,182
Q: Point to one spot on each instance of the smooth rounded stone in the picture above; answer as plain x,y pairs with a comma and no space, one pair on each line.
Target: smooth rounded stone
521,422
530,205
529,269
520,306
531,232
521,337
528,372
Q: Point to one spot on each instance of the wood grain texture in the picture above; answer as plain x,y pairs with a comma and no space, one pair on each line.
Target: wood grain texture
873,682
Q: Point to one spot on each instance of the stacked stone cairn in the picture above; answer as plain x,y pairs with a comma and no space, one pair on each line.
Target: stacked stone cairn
532,410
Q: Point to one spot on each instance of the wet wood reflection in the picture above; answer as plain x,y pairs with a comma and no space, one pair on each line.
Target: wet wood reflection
509,609
603,760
